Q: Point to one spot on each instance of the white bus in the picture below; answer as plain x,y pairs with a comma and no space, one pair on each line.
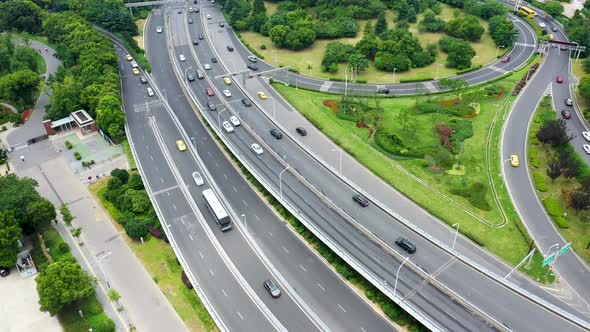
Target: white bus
217,210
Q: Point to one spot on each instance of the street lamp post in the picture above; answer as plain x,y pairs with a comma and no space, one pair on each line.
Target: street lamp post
456,233
397,274
219,118
245,224
281,181
498,49
394,70
340,162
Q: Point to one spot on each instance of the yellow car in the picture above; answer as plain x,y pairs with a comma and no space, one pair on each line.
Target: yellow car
135,71
128,57
262,95
227,80
514,160
180,145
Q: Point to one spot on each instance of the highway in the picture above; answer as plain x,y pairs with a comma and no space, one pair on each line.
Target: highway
273,166
320,290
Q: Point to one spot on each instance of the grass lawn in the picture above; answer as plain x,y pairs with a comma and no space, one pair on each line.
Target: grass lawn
300,60
129,155
578,231
506,240
139,38
160,261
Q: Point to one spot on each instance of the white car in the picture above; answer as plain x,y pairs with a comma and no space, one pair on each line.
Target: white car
159,29
227,93
150,92
586,148
234,120
229,128
252,58
134,64
586,135
207,66
198,178
208,16
258,150
181,57
542,25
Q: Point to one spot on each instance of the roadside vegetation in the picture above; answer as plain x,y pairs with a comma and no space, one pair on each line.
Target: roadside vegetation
418,40
561,177
433,148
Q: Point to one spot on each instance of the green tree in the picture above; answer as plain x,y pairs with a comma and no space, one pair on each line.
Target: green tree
554,8
258,7
122,174
453,84
431,23
64,98
368,45
66,215
109,116
368,28
19,86
502,31
20,15
358,61
113,295
40,212
6,53
10,233
17,194
584,87
467,27
459,52
381,25
136,229
62,283
24,58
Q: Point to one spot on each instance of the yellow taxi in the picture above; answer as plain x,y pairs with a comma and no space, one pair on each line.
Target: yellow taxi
128,57
514,160
262,95
227,80
180,144
135,71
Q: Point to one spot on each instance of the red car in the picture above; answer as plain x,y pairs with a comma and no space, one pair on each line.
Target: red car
559,79
210,92
566,114
506,59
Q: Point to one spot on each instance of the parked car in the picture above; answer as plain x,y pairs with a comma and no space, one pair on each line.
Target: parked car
180,10
228,127
586,135
142,79
301,131
262,95
211,106
276,133
272,288
360,200
252,67
586,148
234,120
566,114
198,178
134,64
383,91
208,16
252,58
180,145
181,57
506,59
569,102
406,245
230,48
257,149
514,160
227,93
246,102
559,79
190,9
209,92
542,25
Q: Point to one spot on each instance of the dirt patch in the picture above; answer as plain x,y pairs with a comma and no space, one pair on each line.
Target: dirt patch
449,102
372,130
331,104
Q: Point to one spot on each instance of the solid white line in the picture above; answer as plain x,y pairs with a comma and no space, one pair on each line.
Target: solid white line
174,205
236,190
225,176
257,217
362,329
152,158
320,286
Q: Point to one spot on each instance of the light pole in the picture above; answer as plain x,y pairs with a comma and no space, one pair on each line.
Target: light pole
456,233
186,71
437,67
340,162
394,70
245,224
345,80
397,274
281,181
219,118
549,250
498,49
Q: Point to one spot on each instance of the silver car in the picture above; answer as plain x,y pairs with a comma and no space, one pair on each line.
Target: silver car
228,127
272,288
256,148
234,120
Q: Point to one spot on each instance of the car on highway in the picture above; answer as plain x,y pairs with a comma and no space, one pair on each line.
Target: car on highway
227,93
406,245
179,11
230,48
586,135
234,120
566,114
142,79
383,91
272,288
197,10
180,144
190,9
190,76
195,42
128,57
256,148
150,92
559,79
262,95
276,133
228,127
252,58
181,57
135,71
190,21
209,92
542,25
208,16
246,102
360,200
201,37
301,131
514,160
211,106
506,59
569,102
207,66
221,24
200,74
554,29
159,29
252,67
214,59
586,148
198,178
227,80
134,64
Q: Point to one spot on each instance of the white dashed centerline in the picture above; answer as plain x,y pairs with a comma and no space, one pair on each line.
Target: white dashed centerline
201,254
239,314
224,293
285,249
245,202
320,286
191,236
301,266
339,306
211,271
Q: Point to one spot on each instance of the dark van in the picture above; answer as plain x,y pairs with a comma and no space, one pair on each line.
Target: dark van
406,245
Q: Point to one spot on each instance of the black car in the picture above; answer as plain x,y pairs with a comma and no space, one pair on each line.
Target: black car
221,24
214,59
142,79
230,48
195,2
4,272
406,245
201,37
301,131
195,42
566,114
554,29
360,200
252,67
270,286
211,106
276,133
246,102
197,10
180,11
383,91
190,76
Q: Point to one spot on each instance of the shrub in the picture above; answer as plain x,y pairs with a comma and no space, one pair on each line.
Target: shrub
69,145
263,47
101,323
91,306
136,228
63,247
77,155
475,195
540,182
555,210
122,174
4,128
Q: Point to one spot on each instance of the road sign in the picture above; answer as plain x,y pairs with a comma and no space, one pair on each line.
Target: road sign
548,260
564,249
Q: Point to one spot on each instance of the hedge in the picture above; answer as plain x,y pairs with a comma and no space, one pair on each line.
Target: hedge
555,210
466,70
416,79
540,182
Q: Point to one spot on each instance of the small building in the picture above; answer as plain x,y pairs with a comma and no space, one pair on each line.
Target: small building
79,118
25,265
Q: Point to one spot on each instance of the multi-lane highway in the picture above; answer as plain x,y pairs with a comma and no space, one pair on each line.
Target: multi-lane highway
292,187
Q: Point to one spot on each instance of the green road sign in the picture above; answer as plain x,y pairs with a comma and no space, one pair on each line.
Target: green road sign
564,249
548,260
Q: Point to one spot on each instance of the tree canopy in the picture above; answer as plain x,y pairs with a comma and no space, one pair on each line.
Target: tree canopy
62,283
10,233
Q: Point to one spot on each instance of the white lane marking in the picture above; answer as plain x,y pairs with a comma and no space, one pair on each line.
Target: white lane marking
236,190
339,306
191,236
287,251
225,176
156,169
162,180
182,221
211,271
224,293
167,194
320,286
168,225
257,217
239,314
152,158
363,329
209,153
201,254
174,205
245,202
270,234
301,266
